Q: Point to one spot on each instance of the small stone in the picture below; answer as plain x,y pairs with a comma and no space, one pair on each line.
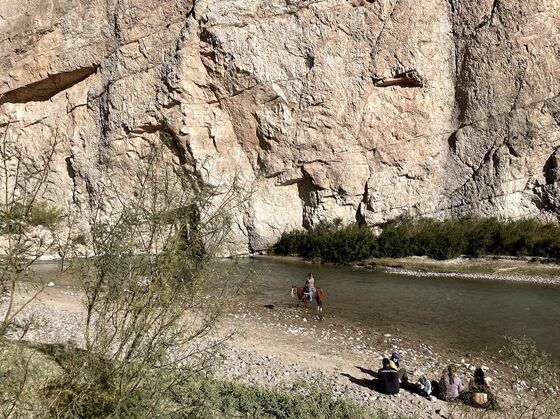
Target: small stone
50,284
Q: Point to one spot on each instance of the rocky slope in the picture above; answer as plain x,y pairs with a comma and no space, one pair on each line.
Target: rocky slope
357,109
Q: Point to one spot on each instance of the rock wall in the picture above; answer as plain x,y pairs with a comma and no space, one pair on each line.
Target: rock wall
353,109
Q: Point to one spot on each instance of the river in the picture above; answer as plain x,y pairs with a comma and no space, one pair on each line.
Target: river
467,314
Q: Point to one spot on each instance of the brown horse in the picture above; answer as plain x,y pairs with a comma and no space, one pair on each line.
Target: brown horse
297,292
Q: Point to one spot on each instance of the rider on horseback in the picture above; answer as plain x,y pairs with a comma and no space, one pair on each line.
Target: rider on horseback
309,287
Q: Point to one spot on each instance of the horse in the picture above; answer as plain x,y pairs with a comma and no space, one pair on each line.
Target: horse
297,292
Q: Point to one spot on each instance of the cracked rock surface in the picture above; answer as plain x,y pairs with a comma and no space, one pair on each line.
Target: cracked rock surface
360,110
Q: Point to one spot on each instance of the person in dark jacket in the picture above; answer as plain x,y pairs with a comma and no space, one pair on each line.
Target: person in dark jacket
478,393
388,378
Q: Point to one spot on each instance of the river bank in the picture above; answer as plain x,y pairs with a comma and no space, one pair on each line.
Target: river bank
279,344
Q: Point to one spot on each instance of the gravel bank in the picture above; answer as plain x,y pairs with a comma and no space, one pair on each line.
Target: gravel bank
538,279
279,345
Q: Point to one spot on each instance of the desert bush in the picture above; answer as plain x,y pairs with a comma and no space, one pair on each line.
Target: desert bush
146,324
24,372
27,220
143,264
209,397
27,224
538,375
44,213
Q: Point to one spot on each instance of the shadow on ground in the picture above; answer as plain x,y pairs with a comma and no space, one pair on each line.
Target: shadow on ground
373,384
367,371
367,383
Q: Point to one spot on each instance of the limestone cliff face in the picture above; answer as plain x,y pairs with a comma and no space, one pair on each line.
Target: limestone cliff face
356,109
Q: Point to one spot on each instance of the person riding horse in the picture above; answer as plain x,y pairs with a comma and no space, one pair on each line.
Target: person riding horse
309,288
299,294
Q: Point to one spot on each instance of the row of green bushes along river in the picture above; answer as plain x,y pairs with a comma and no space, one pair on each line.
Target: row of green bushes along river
404,236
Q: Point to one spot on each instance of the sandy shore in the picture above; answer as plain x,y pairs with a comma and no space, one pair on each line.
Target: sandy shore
278,345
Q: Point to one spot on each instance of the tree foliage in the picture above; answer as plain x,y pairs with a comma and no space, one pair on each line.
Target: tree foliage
28,220
144,265
147,262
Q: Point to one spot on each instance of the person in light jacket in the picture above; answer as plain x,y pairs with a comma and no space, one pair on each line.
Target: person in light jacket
394,363
450,384
309,287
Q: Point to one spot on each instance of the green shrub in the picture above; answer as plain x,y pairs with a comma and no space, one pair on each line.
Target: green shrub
470,236
534,367
538,374
329,243
212,398
45,214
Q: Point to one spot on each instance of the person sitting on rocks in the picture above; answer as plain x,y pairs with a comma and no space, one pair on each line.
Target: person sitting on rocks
388,378
450,384
478,394
423,386
309,287
394,363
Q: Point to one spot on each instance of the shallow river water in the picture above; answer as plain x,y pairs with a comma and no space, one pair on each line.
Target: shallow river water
464,313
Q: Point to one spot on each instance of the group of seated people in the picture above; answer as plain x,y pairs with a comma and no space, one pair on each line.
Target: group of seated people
391,378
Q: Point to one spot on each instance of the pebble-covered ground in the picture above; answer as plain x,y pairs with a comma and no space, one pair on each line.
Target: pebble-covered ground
538,279
277,345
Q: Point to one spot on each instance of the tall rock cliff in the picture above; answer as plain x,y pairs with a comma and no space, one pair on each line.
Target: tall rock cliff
352,109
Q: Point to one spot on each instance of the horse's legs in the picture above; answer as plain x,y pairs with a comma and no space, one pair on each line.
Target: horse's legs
319,306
